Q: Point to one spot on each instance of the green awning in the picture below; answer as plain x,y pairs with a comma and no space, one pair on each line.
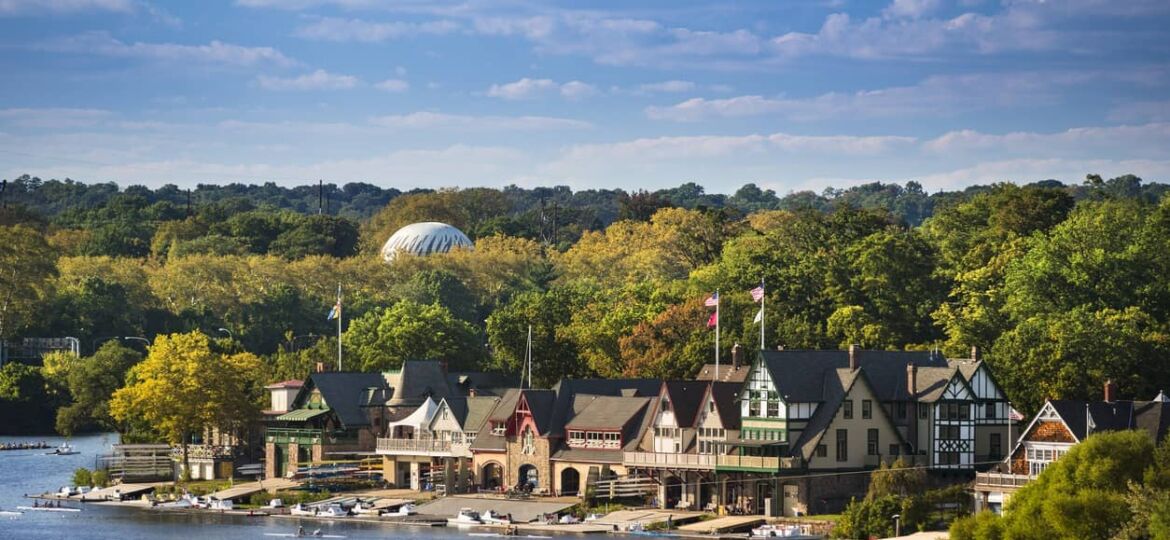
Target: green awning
301,415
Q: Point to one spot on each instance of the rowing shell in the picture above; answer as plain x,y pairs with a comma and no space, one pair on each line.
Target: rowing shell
499,535
306,535
46,509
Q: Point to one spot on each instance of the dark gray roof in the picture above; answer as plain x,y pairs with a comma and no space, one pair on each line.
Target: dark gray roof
567,389
540,404
417,380
484,440
478,409
1073,414
347,393
606,412
458,407
725,394
1150,416
800,374
835,385
483,383
686,400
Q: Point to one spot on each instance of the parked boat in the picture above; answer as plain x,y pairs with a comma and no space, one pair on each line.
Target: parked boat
333,511
466,516
791,532
492,518
366,509
48,509
220,504
407,509
299,509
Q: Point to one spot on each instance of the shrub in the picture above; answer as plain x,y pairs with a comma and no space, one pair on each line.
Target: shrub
82,477
100,478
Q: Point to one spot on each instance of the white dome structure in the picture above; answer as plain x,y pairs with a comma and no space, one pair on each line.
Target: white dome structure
424,239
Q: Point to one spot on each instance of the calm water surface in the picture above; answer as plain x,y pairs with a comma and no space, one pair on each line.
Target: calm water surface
31,471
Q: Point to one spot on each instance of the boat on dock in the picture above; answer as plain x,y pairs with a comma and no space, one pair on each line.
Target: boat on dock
791,532
465,517
492,518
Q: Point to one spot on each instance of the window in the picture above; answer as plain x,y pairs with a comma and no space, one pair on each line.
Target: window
773,409
901,408
528,442
948,432
895,450
842,445
822,450
954,411
871,442
848,409
665,405
989,411
866,409
576,439
948,458
996,450
498,428
711,406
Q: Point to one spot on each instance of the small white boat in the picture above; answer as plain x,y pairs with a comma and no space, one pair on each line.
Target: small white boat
48,509
593,517
366,509
791,532
67,491
65,449
276,503
299,509
10,513
492,518
220,504
466,516
407,509
333,511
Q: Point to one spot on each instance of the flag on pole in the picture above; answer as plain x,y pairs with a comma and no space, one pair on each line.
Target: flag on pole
759,315
335,312
713,300
757,293
713,321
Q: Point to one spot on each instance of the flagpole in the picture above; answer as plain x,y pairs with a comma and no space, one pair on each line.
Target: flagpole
717,302
338,327
763,316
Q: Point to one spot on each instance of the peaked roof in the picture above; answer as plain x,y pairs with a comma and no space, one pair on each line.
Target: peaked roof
540,405
483,383
799,375
478,409
417,380
347,393
727,373
1150,416
567,389
600,413
291,383
725,395
686,400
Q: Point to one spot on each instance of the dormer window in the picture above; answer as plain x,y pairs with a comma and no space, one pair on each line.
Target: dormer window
498,428
665,405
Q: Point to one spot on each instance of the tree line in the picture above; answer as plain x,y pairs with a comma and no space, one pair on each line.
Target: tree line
1060,286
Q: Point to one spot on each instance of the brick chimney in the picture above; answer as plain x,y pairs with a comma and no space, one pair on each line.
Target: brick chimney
911,372
1110,391
853,357
320,367
736,355
975,353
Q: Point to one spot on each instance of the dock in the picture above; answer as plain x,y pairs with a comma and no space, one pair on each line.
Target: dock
119,491
244,490
726,524
522,511
645,517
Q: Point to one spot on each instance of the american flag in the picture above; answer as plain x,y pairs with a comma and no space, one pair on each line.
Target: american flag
757,293
713,300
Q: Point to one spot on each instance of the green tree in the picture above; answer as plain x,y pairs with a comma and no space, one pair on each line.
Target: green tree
91,382
26,264
383,338
554,353
442,287
184,388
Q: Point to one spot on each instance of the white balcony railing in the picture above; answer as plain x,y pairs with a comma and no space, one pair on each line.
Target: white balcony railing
756,463
415,447
674,461
1003,479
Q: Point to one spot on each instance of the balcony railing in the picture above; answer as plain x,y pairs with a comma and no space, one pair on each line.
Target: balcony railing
756,463
416,447
1003,479
673,461
204,451
292,435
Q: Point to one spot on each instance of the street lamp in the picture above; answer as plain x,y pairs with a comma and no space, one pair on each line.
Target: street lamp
137,338
897,525
228,332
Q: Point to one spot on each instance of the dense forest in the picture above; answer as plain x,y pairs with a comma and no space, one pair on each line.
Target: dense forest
1059,286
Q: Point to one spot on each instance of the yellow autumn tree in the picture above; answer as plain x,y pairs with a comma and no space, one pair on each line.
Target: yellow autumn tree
183,387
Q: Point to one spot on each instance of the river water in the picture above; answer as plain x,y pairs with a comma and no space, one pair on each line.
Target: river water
31,471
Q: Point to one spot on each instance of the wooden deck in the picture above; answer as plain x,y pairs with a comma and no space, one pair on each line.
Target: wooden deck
244,490
723,525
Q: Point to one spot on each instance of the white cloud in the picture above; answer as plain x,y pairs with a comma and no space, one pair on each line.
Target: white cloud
522,89
1032,170
53,117
215,52
317,80
1134,141
27,7
910,8
433,120
335,29
393,85
1141,111
574,90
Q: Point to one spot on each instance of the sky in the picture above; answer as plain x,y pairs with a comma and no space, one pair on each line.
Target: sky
788,94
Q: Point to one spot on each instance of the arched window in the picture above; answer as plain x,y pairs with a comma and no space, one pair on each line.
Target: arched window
528,442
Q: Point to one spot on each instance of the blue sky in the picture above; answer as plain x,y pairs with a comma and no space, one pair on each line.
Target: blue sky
789,94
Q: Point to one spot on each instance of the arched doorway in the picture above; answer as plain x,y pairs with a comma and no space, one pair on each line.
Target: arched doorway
492,476
570,482
529,475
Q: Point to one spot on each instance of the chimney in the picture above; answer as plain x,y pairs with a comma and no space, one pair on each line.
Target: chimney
320,367
975,353
471,392
1110,391
911,371
736,355
853,357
